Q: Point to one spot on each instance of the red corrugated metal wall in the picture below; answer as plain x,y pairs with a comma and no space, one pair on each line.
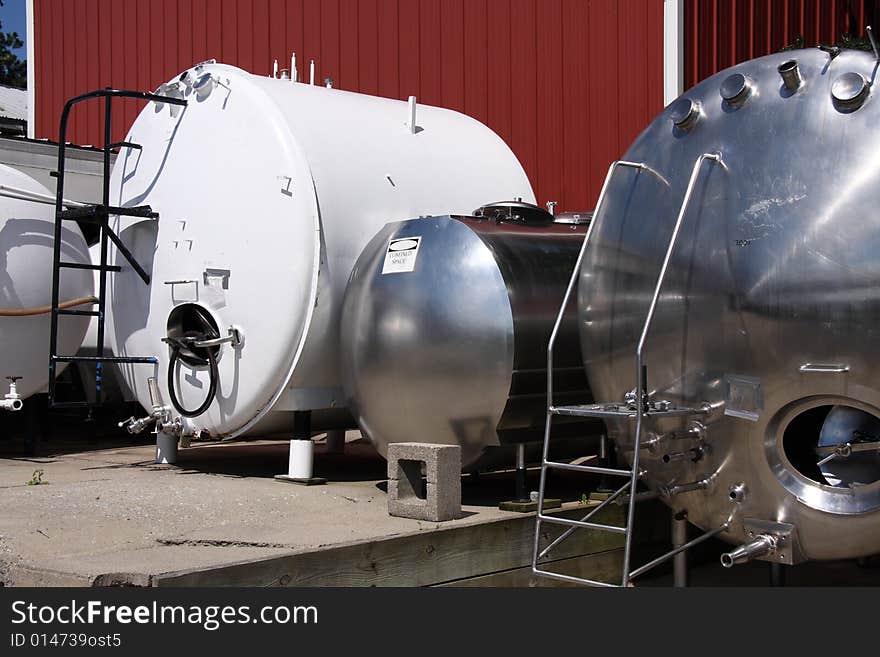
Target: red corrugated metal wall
567,83
721,33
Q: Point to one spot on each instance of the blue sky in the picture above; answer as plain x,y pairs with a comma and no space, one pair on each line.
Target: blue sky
12,14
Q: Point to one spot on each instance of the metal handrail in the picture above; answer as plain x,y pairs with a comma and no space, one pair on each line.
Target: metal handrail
641,409
600,205
641,382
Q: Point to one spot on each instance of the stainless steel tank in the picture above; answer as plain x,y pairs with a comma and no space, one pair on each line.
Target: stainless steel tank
445,324
768,313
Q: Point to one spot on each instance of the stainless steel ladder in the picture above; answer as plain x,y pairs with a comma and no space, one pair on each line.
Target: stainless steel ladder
636,407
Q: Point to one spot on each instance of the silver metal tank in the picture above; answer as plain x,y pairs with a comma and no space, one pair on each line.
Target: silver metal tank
445,324
768,313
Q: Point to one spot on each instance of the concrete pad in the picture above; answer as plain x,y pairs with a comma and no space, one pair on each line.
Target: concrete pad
113,516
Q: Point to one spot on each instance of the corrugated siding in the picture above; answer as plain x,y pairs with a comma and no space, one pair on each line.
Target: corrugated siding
722,33
567,83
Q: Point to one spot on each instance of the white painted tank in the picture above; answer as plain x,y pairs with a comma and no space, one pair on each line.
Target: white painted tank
26,243
267,192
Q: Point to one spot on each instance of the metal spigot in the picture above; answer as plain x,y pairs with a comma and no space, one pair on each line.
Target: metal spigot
159,415
761,546
135,426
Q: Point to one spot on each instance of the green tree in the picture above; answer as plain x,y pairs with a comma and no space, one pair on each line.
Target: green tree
13,71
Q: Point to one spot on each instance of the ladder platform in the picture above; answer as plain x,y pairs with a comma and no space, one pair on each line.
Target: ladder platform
580,524
623,411
121,360
100,212
90,267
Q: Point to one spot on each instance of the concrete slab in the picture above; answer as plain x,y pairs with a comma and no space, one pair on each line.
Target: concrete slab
113,516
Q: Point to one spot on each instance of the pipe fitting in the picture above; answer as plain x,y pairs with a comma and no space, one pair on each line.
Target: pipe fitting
693,455
761,546
11,404
12,401
678,489
791,75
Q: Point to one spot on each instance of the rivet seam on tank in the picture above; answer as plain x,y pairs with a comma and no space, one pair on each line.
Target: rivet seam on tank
736,90
850,91
685,113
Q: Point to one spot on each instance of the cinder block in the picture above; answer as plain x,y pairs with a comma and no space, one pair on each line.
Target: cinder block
436,498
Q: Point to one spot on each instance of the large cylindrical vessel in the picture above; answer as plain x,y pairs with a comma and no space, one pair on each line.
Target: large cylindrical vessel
267,191
445,328
769,308
26,246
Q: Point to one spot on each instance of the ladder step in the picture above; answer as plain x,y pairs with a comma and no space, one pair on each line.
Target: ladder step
556,520
82,404
124,144
147,360
78,265
99,212
591,469
574,580
80,313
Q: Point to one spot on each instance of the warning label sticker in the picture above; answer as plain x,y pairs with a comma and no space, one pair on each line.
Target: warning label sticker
401,255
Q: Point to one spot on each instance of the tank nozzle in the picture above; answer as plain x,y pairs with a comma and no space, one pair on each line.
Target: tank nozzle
761,546
791,75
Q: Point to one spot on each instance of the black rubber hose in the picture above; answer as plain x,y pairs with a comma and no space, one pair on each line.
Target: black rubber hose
212,384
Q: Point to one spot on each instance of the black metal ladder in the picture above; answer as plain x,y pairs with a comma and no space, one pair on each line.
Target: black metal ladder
637,407
98,214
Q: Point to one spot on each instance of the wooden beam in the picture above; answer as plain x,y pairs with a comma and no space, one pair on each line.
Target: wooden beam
421,559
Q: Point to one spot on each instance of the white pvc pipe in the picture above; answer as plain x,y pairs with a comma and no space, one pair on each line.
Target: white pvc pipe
300,460
312,72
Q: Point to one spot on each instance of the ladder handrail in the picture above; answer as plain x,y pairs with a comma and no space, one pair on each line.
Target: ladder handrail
641,382
640,391
600,204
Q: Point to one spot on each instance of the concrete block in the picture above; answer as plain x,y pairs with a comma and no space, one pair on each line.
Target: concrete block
437,497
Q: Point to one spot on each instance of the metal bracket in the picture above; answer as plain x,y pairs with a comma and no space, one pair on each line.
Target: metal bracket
788,548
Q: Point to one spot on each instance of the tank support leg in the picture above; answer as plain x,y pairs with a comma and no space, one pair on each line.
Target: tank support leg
605,461
777,574
166,448
32,429
335,442
522,493
679,538
300,457
302,425
522,502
